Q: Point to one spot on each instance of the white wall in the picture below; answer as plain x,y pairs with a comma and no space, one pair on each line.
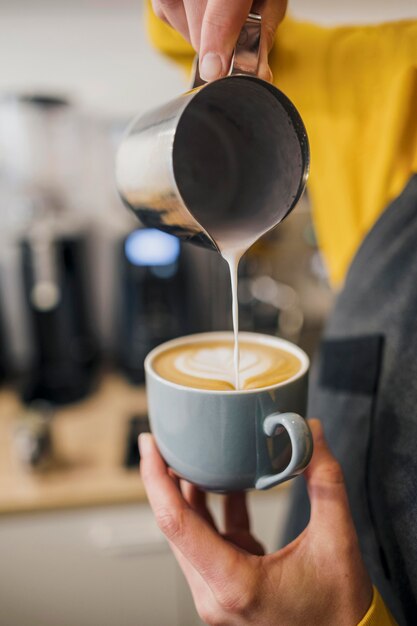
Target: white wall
96,52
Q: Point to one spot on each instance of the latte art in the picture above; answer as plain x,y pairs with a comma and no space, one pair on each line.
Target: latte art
218,363
210,365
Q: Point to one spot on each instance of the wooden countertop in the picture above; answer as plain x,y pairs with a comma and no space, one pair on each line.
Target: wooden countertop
89,442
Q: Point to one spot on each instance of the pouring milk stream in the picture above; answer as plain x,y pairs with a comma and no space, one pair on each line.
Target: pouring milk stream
219,166
232,251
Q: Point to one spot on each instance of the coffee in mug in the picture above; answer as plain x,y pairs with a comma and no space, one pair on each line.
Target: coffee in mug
210,364
219,437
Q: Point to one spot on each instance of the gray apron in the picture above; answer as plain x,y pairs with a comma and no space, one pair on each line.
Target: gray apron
364,389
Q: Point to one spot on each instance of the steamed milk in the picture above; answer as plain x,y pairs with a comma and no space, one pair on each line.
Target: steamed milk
232,247
233,259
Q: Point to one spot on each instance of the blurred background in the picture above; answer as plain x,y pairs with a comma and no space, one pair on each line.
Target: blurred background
85,293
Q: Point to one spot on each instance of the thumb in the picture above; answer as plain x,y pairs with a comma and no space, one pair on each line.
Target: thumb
326,487
220,30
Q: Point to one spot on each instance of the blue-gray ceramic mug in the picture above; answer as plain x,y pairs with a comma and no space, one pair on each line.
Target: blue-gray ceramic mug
231,440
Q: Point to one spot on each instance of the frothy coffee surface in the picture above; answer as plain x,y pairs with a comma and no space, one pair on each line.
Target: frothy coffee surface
210,365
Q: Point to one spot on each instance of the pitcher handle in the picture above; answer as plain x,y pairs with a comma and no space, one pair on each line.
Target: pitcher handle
245,58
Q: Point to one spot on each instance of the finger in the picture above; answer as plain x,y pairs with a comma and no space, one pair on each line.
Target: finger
272,13
326,487
200,590
197,501
264,71
204,599
245,541
194,10
173,13
182,526
236,516
174,477
220,30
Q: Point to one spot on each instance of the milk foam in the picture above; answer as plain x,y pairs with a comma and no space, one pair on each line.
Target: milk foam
218,363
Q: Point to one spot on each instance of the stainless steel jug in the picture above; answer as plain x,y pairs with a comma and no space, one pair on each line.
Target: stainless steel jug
224,162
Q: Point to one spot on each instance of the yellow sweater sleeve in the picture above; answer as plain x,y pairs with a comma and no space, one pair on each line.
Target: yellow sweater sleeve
377,614
167,40
356,89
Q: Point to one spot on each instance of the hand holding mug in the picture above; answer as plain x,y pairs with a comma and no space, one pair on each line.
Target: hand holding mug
226,439
319,578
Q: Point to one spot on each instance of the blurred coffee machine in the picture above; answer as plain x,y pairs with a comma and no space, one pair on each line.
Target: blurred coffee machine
3,348
64,347
44,242
152,302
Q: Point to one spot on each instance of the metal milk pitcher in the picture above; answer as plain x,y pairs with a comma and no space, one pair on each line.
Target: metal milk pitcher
226,161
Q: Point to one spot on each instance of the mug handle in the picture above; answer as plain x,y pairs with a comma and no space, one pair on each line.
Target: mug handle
301,443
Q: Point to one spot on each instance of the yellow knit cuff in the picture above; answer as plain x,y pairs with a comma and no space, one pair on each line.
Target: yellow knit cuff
377,614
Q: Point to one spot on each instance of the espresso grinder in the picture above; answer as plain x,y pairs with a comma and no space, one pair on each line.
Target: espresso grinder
41,144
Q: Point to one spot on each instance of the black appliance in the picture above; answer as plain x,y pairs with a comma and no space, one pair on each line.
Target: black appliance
44,227
4,353
137,425
152,303
65,350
